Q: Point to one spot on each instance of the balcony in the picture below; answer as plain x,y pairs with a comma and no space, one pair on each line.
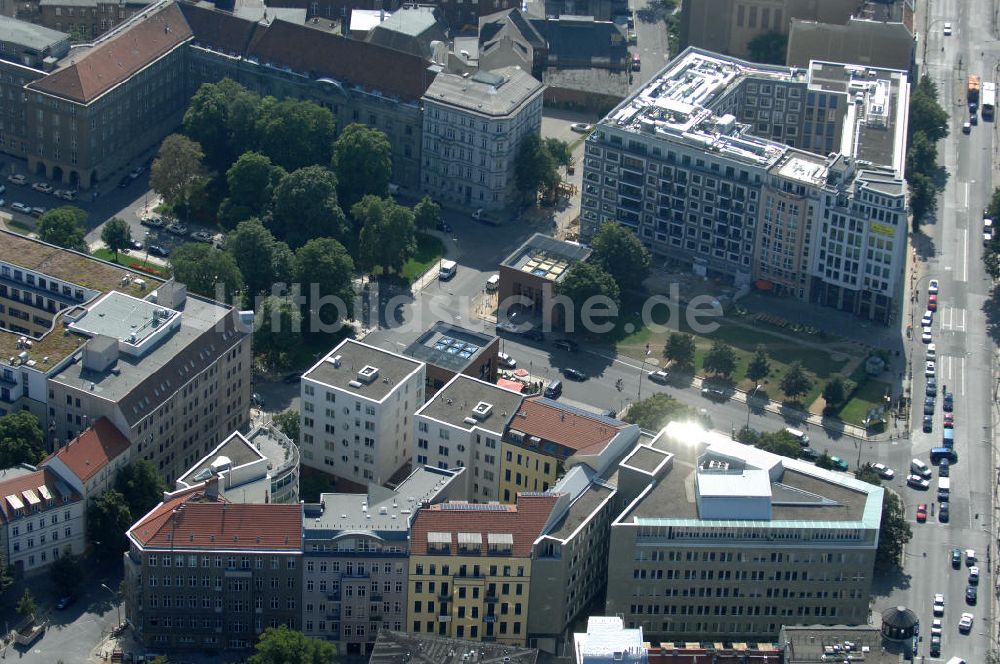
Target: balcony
376,597
444,619
444,594
492,599
490,618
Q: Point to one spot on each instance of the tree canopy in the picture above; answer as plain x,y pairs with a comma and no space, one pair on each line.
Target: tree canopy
795,383
178,171
221,118
362,159
108,519
295,133
621,254
289,424
759,366
768,48
720,359
679,349
252,181
777,442
142,486
116,234
66,572
279,329
536,169
388,234
894,530
426,214
585,285
262,260
325,269
205,269
657,411
64,227
835,391
280,645
306,207
21,439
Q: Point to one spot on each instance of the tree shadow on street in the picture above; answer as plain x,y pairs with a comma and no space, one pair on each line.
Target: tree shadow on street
991,307
885,583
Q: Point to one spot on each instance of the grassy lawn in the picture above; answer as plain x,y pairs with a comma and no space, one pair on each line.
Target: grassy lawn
127,260
19,227
869,395
429,250
820,364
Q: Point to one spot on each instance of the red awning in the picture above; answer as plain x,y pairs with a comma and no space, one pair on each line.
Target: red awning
764,285
510,384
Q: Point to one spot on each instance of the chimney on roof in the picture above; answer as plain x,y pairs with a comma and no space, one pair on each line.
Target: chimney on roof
212,488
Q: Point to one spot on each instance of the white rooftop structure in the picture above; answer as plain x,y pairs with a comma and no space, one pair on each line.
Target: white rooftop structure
606,641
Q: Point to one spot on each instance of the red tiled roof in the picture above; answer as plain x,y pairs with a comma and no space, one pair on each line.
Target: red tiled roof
115,60
17,486
523,521
310,51
191,521
566,427
92,450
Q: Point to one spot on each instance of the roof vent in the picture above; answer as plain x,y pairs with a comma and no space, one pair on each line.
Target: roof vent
355,384
482,410
368,374
470,420
336,361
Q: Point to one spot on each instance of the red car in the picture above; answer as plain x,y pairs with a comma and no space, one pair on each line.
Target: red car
921,513
949,421
932,302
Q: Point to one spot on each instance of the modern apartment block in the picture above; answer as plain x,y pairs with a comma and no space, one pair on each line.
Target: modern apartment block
529,277
204,573
727,542
356,408
473,127
791,178
461,427
260,467
545,437
356,556
471,566
41,516
84,339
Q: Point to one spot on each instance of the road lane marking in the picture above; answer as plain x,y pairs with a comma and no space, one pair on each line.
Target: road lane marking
965,255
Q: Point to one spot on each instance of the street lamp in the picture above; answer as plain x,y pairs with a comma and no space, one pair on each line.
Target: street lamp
642,372
118,604
751,395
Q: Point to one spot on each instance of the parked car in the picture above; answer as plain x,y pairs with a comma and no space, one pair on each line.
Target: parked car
177,228
135,244
926,335
932,286
921,513
3,188
17,178
931,387
506,361
136,172
944,468
947,29
65,194
936,627
202,236
714,393
65,601
444,227
884,471
157,250
928,318
292,378
944,513
125,181
929,406
566,344
949,420
930,368
949,402
932,302
152,222
918,482
20,207
839,463
956,558
43,187
659,376
935,647
574,374
808,453
581,127
38,212
928,424
970,557
965,624
974,575
971,598
939,605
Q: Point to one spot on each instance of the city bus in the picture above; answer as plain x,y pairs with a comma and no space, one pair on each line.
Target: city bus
989,100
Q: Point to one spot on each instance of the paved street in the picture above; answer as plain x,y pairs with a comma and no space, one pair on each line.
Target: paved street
949,250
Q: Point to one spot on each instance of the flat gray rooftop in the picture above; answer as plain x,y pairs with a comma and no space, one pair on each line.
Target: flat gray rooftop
207,330
124,317
449,346
454,403
402,648
29,35
546,257
489,93
645,458
380,509
235,448
354,356
808,644
581,509
273,444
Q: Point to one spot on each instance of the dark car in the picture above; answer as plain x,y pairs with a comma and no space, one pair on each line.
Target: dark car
157,250
928,423
125,181
956,558
929,406
65,601
931,387
566,344
574,374
135,244
943,514
713,393
944,470
809,454
935,646
949,402
291,378
971,595
443,226
256,400
533,334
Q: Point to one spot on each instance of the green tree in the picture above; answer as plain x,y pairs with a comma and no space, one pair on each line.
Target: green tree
295,133
66,572
306,207
795,382
388,235
108,519
426,214
559,150
584,284
6,578
777,442
535,168
994,206
720,359
221,118
279,329
252,180
923,196
26,605
288,423
206,270
362,159
280,645
835,391
866,473
894,530
325,269
768,48
657,411
621,254
825,461
117,235
679,349
921,155
21,439
760,365
926,114
142,486
178,172
262,260
64,227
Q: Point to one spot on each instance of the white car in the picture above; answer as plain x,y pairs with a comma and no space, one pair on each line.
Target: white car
506,361
939,604
965,624
930,369
932,287
43,187
918,482
973,576
936,627
20,207
926,335
884,471
581,127
947,29
928,318
970,557
660,376
17,178
932,351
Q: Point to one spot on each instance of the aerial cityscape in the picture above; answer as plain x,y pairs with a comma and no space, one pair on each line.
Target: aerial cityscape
553,332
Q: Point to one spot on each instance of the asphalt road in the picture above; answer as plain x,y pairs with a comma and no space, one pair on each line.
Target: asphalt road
949,249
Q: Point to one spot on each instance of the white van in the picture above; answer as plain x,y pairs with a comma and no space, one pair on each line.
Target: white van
493,283
918,467
448,270
956,660
799,436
